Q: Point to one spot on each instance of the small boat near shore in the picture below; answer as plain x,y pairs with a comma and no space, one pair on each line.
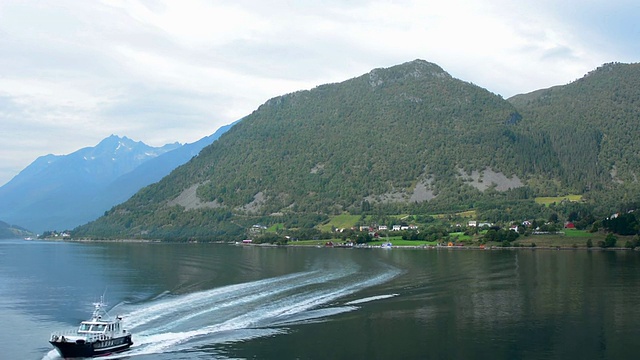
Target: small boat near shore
101,335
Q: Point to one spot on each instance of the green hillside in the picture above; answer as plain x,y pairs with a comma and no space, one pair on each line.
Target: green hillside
593,124
407,139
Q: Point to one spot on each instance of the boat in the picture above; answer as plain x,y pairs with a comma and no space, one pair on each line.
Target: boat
101,335
386,245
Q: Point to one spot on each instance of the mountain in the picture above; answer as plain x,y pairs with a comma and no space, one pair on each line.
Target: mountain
593,125
406,139
55,189
64,191
409,134
150,172
12,231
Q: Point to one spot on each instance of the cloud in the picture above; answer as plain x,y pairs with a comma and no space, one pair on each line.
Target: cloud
72,73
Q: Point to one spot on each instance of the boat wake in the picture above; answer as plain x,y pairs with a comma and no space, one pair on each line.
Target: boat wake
240,312
372,298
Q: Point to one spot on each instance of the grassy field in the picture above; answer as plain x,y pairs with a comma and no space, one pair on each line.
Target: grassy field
461,236
464,214
343,221
574,233
570,238
275,227
547,200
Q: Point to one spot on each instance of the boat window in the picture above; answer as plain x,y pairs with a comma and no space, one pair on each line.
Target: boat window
84,327
97,327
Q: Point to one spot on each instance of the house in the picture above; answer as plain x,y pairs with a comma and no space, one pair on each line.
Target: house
569,225
513,228
395,228
257,229
472,223
383,227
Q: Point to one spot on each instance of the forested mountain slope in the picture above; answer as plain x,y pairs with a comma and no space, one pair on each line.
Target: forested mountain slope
409,135
593,124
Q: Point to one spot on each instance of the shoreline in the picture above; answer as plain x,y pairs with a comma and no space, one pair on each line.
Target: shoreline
399,247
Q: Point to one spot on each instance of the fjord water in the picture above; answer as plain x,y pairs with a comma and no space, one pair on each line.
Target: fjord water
204,301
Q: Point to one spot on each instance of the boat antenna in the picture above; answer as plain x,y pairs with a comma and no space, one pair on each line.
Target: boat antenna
99,306
104,295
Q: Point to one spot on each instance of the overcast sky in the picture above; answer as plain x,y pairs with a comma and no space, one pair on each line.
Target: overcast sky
74,72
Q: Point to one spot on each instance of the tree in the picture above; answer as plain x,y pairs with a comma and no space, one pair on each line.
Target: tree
610,240
362,238
625,224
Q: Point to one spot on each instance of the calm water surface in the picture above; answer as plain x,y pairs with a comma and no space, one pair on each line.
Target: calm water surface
206,301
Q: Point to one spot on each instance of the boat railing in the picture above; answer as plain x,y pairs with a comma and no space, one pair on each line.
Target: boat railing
75,334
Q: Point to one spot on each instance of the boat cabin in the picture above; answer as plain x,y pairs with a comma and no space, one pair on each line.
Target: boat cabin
87,327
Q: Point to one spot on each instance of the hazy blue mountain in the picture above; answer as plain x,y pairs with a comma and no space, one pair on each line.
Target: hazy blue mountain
63,191
151,171
12,231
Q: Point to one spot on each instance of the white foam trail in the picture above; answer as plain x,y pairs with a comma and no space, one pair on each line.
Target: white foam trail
243,311
167,305
371,298
52,355
312,316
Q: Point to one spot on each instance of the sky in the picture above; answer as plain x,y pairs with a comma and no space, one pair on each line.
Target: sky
74,72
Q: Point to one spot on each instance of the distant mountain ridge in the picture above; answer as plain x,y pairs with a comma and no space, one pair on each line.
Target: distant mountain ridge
12,231
58,192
